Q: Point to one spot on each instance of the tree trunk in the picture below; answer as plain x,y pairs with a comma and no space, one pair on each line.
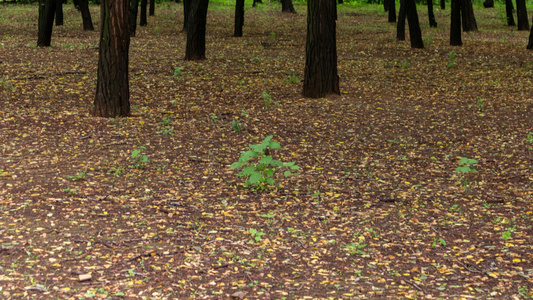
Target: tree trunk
530,41
196,27
47,9
256,2
340,2
509,12
112,87
455,23
442,4
415,34
186,8
320,75
239,18
400,27
431,15
521,15
488,3
59,12
386,4
286,6
152,8
392,11
86,15
143,21
132,18
467,16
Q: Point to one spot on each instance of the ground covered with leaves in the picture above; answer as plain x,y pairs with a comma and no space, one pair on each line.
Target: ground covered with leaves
148,207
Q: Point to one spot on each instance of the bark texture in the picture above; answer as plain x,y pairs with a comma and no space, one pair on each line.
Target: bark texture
455,24
392,10
467,16
134,11
151,11
47,9
521,15
530,41
431,15
239,18
186,8
442,4
400,27
112,88
415,34
59,12
143,21
488,3
287,6
320,74
85,15
196,27
509,12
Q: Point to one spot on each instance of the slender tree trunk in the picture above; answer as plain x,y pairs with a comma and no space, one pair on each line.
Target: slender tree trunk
521,15
400,27
239,18
186,8
530,41
320,75
257,2
509,12
340,2
386,4
196,27
442,4
431,15
59,12
143,21
134,11
467,14
415,34
392,11
286,6
86,15
47,10
488,3
112,87
455,26
152,8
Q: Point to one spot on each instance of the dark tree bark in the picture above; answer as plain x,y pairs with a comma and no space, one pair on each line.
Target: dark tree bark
320,75
392,11
59,12
186,8
132,19
76,4
509,12
400,27
196,27
386,4
239,18
521,15
85,15
47,9
415,34
442,4
340,2
112,87
152,8
488,3
455,23
431,15
286,6
257,2
143,21
530,41
467,16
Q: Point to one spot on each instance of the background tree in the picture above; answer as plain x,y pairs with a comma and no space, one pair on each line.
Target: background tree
488,3
152,8
112,87
442,4
391,7
408,10
186,8
530,40
196,27
455,23
239,18
431,15
467,16
59,12
47,9
521,15
132,19
509,12
400,27
287,6
320,74
85,14
143,21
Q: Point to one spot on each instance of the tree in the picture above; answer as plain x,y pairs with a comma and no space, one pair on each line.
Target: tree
400,26
391,7
134,11
521,15
143,21
186,8
239,18
85,14
408,10
530,41
488,3
256,2
509,12
442,4
47,9
287,6
320,74
455,23
112,86
59,12
152,8
431,15
467,16
196,26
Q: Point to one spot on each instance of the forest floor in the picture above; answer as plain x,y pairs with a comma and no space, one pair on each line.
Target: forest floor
377,211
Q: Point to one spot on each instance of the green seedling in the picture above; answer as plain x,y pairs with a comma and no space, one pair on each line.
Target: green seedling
451,61
79,177
256,235
139,157
465,169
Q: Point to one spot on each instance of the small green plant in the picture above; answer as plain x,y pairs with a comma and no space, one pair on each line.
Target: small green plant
236,125
480,104
440,241
256,235
451,60
524,292
292,78
79,177
213,118
529,138
166,131
165,122
70,191
405,64
506,235
267,100
261,172
115,171
428,39
465,169
139,157
178,72
272,37
355,249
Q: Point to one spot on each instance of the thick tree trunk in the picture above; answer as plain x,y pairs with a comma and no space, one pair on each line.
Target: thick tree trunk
442,4
521,15
86,15
134,11
467,16
59,12
415,34
47,9
152,8
488,3
400,27
320,75
239,18
386,4
530,41
455,23
509,12
286,6
431,15
196,27
112,88
186,8
392,11
143,21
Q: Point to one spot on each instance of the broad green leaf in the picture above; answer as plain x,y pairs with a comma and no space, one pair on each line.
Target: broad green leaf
463,160
462,170
265,160
276,163
472,161
236,165
287,173
135,152
248,170
258,148
269,173
295,168
267,139
245,156
255,177
274,145
288,164
270,181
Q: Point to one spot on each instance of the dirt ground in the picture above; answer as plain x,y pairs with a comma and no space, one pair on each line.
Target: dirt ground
377,210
